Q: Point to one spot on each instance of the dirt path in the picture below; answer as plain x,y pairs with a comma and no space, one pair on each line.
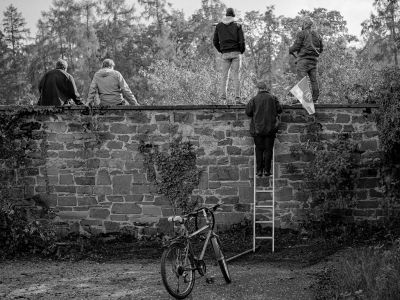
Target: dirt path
142,280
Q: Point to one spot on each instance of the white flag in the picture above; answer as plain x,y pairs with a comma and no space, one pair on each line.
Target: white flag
302,92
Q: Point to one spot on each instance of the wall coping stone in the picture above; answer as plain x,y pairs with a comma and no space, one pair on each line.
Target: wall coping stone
184,107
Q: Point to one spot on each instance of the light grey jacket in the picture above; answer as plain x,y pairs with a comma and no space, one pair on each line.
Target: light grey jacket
111,89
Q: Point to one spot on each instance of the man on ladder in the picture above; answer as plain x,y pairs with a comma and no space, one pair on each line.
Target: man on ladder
264,110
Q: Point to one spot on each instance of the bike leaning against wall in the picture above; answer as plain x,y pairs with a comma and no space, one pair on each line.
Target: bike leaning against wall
179,262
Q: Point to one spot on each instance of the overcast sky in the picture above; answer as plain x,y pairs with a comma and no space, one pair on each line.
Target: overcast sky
353,11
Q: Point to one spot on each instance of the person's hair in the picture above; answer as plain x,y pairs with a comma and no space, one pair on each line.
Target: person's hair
108,63
230,12
307,22
61,64
262,85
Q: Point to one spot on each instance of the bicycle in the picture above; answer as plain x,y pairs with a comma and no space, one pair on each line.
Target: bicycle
178,261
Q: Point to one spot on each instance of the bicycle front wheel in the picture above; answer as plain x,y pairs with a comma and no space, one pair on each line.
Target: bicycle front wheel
221,259
178,270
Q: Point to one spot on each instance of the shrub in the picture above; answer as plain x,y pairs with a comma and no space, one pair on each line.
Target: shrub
367,273
25,229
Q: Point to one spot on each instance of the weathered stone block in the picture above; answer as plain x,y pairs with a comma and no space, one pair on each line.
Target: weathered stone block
85,180
134,198
225,142
67,201
115,145
342,118
239,160
227,191
111,226
151,210
111,198
99,213
87,201
65,189
245,194
126,208
224,173
122,184
102,190
371,145
103,177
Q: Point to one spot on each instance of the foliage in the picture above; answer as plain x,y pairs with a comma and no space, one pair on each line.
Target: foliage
366,273
174,172
169,59
332,174
25,229
387,91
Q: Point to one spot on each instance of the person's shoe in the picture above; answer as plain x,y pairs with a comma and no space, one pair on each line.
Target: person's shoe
267,174
259,173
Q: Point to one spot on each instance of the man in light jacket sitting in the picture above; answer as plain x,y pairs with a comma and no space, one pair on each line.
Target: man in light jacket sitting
110,87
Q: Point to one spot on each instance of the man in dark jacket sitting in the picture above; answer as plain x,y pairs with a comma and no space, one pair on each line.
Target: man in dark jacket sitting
263,109
57,87
229,40
307,48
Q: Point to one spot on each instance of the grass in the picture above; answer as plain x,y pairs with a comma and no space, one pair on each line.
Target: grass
364,273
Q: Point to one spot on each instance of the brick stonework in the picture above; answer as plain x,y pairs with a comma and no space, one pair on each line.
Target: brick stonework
89,167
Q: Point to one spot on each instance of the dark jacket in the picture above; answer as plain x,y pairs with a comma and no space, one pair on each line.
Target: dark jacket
263,110
228,36
308,45
57,87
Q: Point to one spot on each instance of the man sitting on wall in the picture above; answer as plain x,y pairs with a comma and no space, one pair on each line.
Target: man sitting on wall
263,109
110,87
57,87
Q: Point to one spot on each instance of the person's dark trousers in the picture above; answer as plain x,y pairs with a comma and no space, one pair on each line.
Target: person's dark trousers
264,152
308,67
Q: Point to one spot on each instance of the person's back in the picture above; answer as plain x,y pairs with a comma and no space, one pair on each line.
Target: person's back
263,110
110,86
57,87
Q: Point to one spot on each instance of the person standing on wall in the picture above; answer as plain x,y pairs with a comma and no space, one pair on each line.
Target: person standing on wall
229,41
307,48
57,87
263,109
110,87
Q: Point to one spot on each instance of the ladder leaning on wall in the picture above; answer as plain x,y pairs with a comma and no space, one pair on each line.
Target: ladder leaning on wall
271,207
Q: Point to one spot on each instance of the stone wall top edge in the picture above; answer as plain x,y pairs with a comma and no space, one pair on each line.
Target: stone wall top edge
184,107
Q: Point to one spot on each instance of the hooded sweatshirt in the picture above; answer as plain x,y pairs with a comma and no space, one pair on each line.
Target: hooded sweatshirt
308,44
228,36
111,88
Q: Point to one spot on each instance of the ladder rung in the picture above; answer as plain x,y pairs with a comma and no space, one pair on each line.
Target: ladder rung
264,237
265,191
265,206
264,222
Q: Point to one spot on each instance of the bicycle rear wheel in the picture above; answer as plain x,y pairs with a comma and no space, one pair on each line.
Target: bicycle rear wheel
221,259
178,270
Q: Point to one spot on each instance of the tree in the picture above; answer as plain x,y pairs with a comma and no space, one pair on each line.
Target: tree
15,37
381,30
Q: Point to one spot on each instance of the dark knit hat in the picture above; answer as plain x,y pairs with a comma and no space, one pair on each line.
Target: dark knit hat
230,12
61,64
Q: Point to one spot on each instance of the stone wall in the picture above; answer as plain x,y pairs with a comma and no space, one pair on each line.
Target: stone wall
88,167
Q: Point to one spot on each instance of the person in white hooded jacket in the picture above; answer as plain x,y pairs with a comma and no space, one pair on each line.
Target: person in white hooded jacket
110,87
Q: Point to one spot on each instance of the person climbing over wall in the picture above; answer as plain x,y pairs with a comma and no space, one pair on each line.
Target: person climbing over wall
264,110
307,48
229,41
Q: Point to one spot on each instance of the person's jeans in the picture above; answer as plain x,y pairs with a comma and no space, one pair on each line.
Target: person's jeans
231,63
308,67
264,152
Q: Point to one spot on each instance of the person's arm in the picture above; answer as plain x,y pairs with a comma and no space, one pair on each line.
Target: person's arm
126,91
216,40
278,106
249,108
40,87
298,43
74,92
242,44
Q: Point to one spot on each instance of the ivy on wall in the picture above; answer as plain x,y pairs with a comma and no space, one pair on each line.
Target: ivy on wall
174,172
332,173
